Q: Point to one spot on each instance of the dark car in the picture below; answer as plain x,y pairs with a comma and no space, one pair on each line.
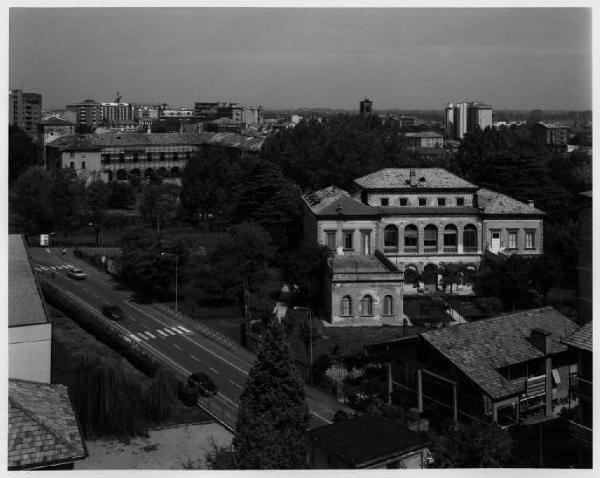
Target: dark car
202,383
113,312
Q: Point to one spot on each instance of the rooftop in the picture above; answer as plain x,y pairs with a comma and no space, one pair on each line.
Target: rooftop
42,427
399,178
582,339
333,201
358,264
480,348
424,134
25,306
491,202
367,440
54,121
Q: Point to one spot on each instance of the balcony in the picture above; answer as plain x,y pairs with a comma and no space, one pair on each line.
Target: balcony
430,249
580,432
410,249
450,249
581,387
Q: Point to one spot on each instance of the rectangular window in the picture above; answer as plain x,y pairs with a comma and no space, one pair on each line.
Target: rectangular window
83,155
148,156
175,156
403,201
135,157
441,201
385,202
106,159
348,240
72,154
188,155
121,157
512,239
83,165
331,239
72,165
529,239
422,201
460,201
162,156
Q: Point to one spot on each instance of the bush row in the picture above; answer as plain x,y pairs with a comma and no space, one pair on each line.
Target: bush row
102,331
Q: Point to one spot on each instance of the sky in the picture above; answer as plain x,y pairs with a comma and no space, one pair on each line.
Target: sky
293,58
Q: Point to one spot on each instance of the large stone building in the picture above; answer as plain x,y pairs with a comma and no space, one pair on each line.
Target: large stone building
25,111
117,156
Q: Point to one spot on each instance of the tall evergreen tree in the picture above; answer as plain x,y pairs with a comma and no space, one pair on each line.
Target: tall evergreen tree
273,416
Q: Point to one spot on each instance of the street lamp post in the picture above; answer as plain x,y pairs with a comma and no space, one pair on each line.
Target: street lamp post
176,274
308,310
91,224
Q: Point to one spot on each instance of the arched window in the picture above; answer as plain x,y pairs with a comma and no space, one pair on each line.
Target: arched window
388,305
470,238
411,238
163,172
121,175
450,238
430,238
347,305
390,238
366,305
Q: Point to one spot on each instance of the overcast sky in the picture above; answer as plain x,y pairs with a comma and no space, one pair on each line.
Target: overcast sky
289,58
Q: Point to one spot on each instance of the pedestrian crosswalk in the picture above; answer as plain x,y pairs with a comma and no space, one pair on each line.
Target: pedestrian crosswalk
160,333
41,268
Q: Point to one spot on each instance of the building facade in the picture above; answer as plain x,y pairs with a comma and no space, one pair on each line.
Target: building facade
466,117
88,113
554,136
421,216
51,129
25,111
424,140
366,108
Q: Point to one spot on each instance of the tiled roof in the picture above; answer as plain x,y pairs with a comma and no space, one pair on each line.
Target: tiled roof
333,200
367,440
491,202
42,428
25,306
480,348
99,141
57,122
424,134
582,339
399,178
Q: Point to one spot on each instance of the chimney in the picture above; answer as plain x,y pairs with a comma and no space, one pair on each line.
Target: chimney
530,203
413,178
541,339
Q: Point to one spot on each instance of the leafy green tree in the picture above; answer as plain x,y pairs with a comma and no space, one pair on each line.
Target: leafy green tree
28,201
96,203
121,195
159,204
273,416
66,201
160,397
22,153
304,270
473,445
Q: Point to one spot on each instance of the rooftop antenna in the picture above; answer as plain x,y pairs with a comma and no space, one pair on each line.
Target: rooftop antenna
118,98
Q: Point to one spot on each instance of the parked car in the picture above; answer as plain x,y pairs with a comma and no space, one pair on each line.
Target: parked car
113,312
76,274
202,383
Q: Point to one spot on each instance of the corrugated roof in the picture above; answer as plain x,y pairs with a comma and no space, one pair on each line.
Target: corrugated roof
367,440
333,201
42,427
480,348
99,141
399,178
492,202
25,306
582,339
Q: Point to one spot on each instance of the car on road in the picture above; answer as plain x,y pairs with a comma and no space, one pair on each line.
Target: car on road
202,383
113,312
75,273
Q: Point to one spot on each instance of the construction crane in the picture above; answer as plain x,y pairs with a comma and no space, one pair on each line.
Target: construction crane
118,98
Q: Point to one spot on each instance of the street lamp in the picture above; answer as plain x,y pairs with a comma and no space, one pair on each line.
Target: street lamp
176,267
307,309
91,224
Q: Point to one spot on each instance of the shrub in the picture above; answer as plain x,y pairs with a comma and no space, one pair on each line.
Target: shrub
160,397
188,395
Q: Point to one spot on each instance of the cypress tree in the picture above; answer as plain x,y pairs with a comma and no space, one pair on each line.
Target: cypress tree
273,416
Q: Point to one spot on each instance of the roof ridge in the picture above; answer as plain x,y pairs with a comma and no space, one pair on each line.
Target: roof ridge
44,423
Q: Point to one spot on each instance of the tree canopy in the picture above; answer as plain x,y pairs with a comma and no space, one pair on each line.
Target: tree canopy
22,152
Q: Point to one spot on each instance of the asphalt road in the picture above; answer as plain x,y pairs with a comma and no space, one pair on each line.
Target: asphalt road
169,340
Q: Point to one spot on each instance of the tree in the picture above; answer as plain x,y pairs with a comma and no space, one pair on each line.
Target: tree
273,416
28,201
159,203
160,397
121,195
473,445
66,200
96,202
304,270
22,153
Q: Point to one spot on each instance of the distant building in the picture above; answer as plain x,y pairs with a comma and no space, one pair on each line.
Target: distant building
237,113
178,113
88,113
51,129
370,442
25,111
407,121
64,114
466,117
117,156
554,136
366,108
118,111
424,140
585,263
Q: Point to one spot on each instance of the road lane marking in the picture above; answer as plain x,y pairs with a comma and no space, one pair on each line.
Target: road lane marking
213,370
235,384
184,329
44,268
229,400
140,334
197,359
158,331
177,330
177,347
134,337
170,332
150,334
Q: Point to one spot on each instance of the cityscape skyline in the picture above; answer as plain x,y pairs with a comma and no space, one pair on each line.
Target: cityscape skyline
306,58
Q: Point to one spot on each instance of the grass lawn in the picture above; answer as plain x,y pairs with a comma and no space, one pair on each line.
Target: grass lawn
70,340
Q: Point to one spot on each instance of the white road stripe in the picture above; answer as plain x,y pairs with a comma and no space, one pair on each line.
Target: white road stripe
177,330
158,331
44,268
69,266
177,347
213,370
142,336
170,332
137,339
235,384
150,334
197,359
184,329
229,400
